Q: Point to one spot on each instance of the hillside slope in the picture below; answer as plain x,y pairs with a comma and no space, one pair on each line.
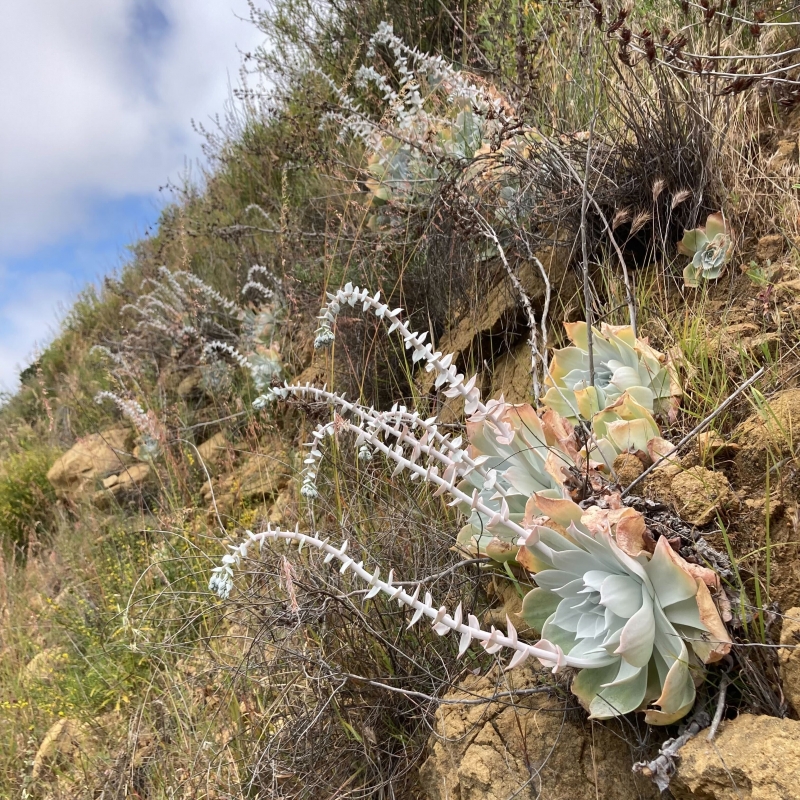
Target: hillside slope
501,173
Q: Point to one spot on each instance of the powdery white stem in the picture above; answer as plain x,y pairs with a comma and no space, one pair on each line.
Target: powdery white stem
494,640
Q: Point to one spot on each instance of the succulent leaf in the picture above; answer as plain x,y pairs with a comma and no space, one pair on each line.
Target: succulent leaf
622,363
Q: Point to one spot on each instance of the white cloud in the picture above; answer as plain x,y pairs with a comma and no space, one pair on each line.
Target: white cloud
97,98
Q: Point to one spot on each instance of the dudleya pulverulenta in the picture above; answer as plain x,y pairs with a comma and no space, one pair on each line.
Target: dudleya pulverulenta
710,248
622,363
647,619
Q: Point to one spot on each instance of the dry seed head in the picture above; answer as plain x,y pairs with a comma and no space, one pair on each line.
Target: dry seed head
680,197
623,215
640,220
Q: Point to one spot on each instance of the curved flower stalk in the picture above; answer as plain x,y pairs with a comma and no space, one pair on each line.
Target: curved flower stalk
443,455
145,422
530,453
441,621
644,617
181,306
254,285
446,372
264,364
710,247
622,363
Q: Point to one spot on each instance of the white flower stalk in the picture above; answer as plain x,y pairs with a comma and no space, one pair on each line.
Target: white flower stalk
446,372
175,311
254,283
529,453
645,617
441,621
622,363
398,423
264,364
145,422
454,465
435,118
229,350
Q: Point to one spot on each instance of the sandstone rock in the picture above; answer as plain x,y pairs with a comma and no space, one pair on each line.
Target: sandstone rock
90,459
712,447
700,494
785,158
498,306
512,375
790,658
697,494
533,749
213,450
627,467
191,386
259,477
65,739
42,668
752,758
510,605
770,248
125,485
771,433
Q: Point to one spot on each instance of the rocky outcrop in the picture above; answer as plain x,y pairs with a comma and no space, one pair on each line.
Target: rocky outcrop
494,317
92,458
529,747
213,450
125,484
752,758
65,741
771,433
697,494
257,478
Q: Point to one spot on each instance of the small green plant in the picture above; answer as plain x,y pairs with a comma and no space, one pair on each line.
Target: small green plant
27,499
710,248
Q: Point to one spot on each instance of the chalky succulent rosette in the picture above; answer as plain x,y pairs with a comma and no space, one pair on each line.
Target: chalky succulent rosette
625,427
710,247
646,619
622,364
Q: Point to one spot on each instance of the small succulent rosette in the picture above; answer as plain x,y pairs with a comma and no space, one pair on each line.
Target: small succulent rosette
710,248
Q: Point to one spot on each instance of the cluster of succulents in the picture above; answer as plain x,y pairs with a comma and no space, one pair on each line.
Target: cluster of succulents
710,247
627,611
435,119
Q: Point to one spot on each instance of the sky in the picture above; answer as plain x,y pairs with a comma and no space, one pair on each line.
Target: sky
97,98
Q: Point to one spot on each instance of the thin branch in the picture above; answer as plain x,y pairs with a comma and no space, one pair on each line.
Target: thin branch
662,768
697,429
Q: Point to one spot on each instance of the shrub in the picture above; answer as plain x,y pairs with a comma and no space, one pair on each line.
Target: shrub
27,499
